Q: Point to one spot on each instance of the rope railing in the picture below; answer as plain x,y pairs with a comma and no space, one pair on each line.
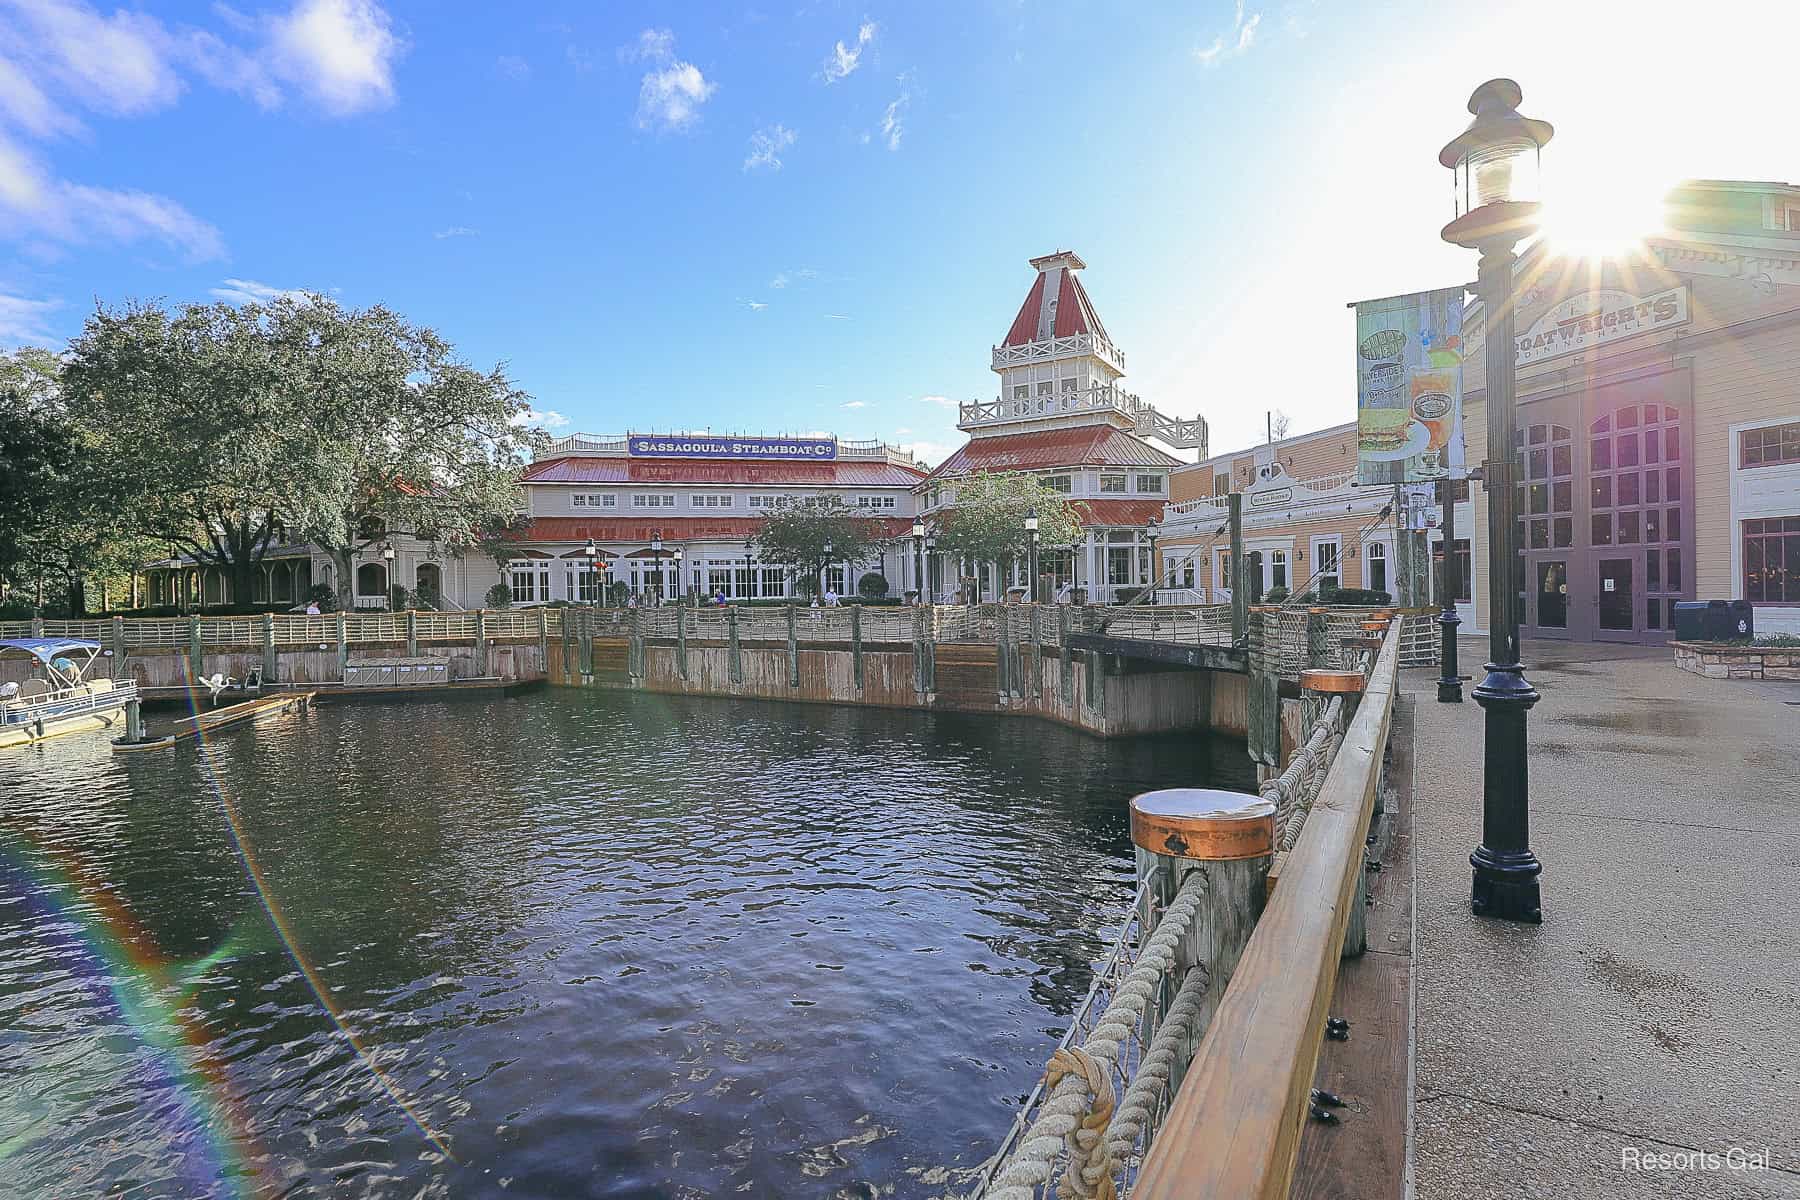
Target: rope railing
1294,790
1072,1129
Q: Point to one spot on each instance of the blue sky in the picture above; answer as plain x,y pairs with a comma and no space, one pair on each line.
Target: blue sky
770,218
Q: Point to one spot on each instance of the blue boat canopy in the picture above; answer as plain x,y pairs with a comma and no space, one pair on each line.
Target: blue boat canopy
46,649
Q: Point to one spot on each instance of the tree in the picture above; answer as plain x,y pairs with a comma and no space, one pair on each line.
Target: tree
40,450
808,535
987,523
1279,423
401,436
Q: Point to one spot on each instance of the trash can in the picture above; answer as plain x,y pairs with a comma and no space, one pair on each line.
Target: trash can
1736,619
1690,620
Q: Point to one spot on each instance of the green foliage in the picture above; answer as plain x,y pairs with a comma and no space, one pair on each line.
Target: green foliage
872,586
617,593
1777,639
1357,597
498,596
323,595
796,535
988,522
1276,594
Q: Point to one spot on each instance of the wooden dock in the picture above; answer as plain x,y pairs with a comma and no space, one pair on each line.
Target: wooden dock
191,728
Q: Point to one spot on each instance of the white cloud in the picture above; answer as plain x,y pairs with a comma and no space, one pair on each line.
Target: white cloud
23,321
670,96
901,432
845,59
928,452
780,281
24,104
1237,40
756,305
118,65
836,317
253,291
893,118
511,66
342,52
543,418
455,231
940,401
35,203
766,146
855,404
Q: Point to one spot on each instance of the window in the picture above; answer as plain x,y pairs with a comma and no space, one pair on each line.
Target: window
710,501
1112,484
530,579
608,500
1772,559
1021,392
1060,483
764,501
1278,576
652,500
1151,484
1118,566
1461,563
1045,387
1325,565
875,502
1376,554
1221,484
578,500
1770,446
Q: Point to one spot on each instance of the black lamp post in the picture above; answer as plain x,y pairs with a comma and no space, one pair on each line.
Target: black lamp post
675,570
1449,686
930,550
1491,160
825,574
1031,557
591,552
656,552
918,537
1153,532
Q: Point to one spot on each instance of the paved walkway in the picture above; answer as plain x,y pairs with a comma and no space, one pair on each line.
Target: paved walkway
1657,1009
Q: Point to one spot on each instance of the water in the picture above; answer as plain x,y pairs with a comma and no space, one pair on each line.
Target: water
599,944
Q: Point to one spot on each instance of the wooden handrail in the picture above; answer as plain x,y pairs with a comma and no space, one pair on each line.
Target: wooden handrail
1234,1128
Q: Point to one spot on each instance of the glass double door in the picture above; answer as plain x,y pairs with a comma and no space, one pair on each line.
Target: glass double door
1601,607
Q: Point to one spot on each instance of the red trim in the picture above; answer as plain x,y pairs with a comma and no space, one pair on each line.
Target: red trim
1087,446
1133,514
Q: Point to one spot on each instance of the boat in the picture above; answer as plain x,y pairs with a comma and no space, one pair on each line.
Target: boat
58,699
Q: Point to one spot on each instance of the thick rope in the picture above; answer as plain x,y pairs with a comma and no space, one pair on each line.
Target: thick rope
1089,1175
1174,1041
1033,1160
1294,790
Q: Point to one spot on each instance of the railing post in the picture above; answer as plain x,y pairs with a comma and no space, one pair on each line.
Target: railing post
271,660
1034,672
196,658
1240,595
343,644
793,646
1002,652
570,631
681,666
37,627
635,657
1230,838
733,647
118,641
481,643
1262,693
856,653
412,634
543,640
584,653
1067,664
1316,649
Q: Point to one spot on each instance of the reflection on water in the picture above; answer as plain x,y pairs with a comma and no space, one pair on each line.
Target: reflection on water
609,944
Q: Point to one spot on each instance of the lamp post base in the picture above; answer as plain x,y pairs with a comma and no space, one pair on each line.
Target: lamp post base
1449,687
1506,886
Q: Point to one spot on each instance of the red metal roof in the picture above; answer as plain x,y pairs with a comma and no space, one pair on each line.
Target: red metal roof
1074,312
1118,513
1086,446
1024,326
682,471
674,530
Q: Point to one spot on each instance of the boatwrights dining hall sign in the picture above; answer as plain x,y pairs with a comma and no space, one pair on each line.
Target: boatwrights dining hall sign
1595,318
767,449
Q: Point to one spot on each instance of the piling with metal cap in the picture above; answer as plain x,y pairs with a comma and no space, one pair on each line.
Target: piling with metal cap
1228,836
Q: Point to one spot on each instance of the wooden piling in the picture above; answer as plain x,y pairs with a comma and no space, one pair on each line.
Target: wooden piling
271,660
634,655
856,651
412,632
343,646
118,643
196,658
1240,595
481,643
733,647
793,645
1066,668
681,660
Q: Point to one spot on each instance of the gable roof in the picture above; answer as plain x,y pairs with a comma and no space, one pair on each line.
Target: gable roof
1057,304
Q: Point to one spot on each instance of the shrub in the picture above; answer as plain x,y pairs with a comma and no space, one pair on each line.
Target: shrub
872,587
617,593
322,595
1358,596
1276,594
498,596
1777,639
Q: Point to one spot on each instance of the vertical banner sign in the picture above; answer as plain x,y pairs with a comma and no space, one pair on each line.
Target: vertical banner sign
1409,354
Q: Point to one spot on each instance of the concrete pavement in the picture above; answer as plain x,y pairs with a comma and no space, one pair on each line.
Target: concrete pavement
1654,1018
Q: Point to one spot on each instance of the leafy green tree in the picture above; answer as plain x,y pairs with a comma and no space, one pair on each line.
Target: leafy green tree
807,535
987,523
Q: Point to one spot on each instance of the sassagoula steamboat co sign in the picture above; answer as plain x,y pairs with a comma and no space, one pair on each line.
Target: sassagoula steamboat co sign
1596,318
699,446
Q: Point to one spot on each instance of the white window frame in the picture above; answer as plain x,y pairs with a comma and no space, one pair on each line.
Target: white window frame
652,500
1155,477
1124,488
1369,559
1336,542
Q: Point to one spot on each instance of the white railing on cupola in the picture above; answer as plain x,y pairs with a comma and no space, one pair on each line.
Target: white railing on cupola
1186,433
1046,349
611,444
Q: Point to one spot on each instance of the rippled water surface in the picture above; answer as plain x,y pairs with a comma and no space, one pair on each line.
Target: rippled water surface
596,944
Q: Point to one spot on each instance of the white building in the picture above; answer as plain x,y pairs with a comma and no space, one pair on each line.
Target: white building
1062,415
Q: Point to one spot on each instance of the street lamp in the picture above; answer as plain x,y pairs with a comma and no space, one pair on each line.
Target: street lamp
826,572
1031,530
591,552
1449,685
680,588
656,553
1494,163
918,537
1152,532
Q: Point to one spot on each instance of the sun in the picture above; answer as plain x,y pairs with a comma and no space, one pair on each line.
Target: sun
1603,216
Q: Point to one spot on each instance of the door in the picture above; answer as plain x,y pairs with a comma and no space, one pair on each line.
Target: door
1616,618
1551,588
1254,563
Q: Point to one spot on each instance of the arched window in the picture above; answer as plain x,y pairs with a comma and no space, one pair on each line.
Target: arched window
371,580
